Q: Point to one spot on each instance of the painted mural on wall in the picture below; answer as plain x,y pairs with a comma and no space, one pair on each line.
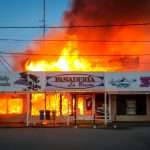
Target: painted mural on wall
145,81
22,81
127,81
74,81
29,81
4,80
122,82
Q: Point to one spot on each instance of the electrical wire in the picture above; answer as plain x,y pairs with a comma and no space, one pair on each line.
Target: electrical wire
4,65
75,26
84,41
114,60
7,62
36,54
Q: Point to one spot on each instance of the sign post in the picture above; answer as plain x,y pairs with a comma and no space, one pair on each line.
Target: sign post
27,109
68,111
105,105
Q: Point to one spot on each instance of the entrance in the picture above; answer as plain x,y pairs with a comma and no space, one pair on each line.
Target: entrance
100,106
85,106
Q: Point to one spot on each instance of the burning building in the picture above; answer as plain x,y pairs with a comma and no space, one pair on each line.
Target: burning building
74,96
96,70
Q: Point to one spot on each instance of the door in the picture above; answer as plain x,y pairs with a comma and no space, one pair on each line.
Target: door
100,106
88,105
85,106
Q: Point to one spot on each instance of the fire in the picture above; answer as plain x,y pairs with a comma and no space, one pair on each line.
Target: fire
69,60
11,105
37,101
55,102
15,106
80,105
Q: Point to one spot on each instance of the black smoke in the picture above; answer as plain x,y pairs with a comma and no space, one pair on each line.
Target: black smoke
96,12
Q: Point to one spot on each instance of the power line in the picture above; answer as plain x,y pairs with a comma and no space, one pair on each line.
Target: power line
4,65
84,41
75,26
100,43
44,20
7,62
35,54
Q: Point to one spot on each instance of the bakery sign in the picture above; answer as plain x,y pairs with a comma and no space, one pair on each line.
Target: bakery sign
75,81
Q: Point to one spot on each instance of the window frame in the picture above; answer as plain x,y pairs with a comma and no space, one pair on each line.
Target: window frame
141,104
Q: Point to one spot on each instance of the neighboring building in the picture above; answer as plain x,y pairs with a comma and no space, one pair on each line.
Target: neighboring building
110,96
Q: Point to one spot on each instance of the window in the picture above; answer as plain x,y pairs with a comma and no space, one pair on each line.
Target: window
3,106
11,103
131,104
64,104
53,103
131,107
38,103
15,106
100,106
80,105
72,104
57,102
88,105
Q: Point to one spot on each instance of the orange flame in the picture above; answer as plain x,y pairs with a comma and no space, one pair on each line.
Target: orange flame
58,102
69,61
10,105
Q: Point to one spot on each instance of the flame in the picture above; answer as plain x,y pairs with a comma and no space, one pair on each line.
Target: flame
3,106
15,106
10,105
37,101
65,102
55,102
69,60
49,102
80,105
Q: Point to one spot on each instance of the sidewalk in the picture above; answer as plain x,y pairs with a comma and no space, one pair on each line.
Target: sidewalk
39,125
117,125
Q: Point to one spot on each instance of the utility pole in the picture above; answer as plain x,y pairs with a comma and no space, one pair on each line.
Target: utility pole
44,31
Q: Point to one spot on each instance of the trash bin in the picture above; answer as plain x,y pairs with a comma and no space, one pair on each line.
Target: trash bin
47,114
53,114
41,114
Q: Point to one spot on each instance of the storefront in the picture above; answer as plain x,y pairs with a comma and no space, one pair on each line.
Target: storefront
74,96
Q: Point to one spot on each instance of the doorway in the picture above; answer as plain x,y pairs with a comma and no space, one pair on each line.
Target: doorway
85,106
100,106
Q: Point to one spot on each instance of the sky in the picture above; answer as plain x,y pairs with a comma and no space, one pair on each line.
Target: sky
27,13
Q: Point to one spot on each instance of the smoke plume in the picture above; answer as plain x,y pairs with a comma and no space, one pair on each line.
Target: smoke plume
115,40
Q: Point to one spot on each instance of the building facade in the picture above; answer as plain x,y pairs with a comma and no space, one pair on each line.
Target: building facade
74,96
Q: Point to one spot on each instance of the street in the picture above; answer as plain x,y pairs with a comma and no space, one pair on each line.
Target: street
74,139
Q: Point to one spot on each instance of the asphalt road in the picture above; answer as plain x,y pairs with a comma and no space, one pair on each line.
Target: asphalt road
74,139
